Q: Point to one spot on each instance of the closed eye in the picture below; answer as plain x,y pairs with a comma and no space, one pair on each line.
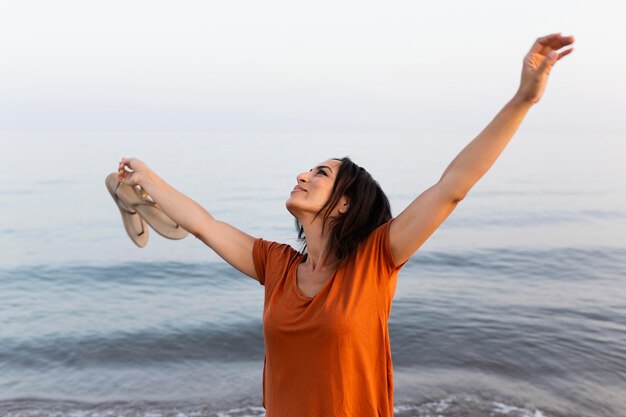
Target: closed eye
321,169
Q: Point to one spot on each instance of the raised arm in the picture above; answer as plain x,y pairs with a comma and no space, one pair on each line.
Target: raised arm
427,212
233,245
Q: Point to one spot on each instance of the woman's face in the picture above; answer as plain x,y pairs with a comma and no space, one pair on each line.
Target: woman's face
313,189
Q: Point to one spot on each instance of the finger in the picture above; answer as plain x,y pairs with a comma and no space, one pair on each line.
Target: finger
548,37
555,41
543,42
562,42
567,40
565,52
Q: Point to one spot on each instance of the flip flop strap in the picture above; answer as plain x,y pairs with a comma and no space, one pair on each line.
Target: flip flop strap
120,203
123,208
145,202
152,204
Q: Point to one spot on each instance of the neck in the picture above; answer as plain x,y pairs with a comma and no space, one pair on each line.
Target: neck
317,244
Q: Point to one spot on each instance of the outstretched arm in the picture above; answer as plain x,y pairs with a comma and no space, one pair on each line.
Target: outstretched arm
233,245
427,212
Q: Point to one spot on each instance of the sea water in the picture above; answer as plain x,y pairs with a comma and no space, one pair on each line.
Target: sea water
516,306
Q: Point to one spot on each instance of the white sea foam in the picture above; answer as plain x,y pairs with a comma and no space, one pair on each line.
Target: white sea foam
464,405
451,406
243,412
521,412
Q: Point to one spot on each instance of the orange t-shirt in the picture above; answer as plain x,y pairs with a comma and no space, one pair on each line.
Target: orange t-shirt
328,355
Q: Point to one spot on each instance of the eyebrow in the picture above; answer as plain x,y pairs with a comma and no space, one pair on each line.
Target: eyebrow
324,166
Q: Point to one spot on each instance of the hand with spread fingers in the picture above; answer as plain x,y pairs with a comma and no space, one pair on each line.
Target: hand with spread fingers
538,63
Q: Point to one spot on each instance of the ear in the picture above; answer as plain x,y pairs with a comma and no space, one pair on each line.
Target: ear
344,205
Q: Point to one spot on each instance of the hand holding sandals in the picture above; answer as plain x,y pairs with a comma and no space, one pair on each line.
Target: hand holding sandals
131,171
136,207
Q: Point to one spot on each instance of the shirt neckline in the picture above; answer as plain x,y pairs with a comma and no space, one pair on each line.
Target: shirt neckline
294,281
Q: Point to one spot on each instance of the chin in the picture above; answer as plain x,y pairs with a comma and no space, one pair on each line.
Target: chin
290,206
298,209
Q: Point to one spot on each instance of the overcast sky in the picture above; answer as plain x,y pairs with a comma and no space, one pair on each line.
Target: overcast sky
302,66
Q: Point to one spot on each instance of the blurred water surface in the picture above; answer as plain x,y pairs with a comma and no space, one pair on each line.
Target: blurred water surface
516,306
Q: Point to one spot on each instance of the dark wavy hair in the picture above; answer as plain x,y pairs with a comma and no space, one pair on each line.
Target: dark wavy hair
368,209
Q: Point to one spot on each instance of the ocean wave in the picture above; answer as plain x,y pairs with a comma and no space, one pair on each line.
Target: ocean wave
212,342
448,406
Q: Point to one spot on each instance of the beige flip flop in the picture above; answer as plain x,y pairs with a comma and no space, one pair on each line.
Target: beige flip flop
135,226
138,200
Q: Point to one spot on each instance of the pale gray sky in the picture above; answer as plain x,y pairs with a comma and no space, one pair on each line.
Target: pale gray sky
302,66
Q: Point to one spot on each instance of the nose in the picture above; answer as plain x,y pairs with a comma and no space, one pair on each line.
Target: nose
302,177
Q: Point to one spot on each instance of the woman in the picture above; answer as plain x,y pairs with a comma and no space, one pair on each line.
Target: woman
326,308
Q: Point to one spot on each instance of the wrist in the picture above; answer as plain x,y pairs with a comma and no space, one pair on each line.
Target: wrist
520,100
148,180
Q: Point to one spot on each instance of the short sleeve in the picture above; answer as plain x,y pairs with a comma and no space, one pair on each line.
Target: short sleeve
270,258
259,255
380,244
